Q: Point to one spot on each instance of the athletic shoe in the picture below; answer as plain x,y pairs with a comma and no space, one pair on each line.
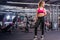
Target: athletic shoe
42,37
35,38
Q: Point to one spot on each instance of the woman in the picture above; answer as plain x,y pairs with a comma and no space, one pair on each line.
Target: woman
41,12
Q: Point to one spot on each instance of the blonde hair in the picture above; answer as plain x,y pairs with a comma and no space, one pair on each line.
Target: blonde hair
40,3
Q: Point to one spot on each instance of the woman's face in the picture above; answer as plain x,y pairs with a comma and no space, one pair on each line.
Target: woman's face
43,4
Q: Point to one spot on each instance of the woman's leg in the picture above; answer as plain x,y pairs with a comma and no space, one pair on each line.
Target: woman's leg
42,26
36,26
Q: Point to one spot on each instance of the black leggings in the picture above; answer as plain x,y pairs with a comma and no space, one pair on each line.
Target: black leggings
38,22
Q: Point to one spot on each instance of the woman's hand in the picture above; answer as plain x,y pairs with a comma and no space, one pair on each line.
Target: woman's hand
45,14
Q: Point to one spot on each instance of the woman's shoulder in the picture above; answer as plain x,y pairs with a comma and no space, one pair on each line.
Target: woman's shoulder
38,8
44,8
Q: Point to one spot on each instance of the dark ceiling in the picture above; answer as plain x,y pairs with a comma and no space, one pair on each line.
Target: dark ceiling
28,1
32,1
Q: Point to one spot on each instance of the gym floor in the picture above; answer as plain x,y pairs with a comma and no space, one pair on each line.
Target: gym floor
18,35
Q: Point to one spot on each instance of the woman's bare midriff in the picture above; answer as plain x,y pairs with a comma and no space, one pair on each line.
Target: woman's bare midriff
41,15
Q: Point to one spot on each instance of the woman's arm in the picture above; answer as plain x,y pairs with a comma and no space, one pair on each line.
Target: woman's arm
45,12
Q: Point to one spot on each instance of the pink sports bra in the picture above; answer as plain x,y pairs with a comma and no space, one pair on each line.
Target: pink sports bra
40,10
